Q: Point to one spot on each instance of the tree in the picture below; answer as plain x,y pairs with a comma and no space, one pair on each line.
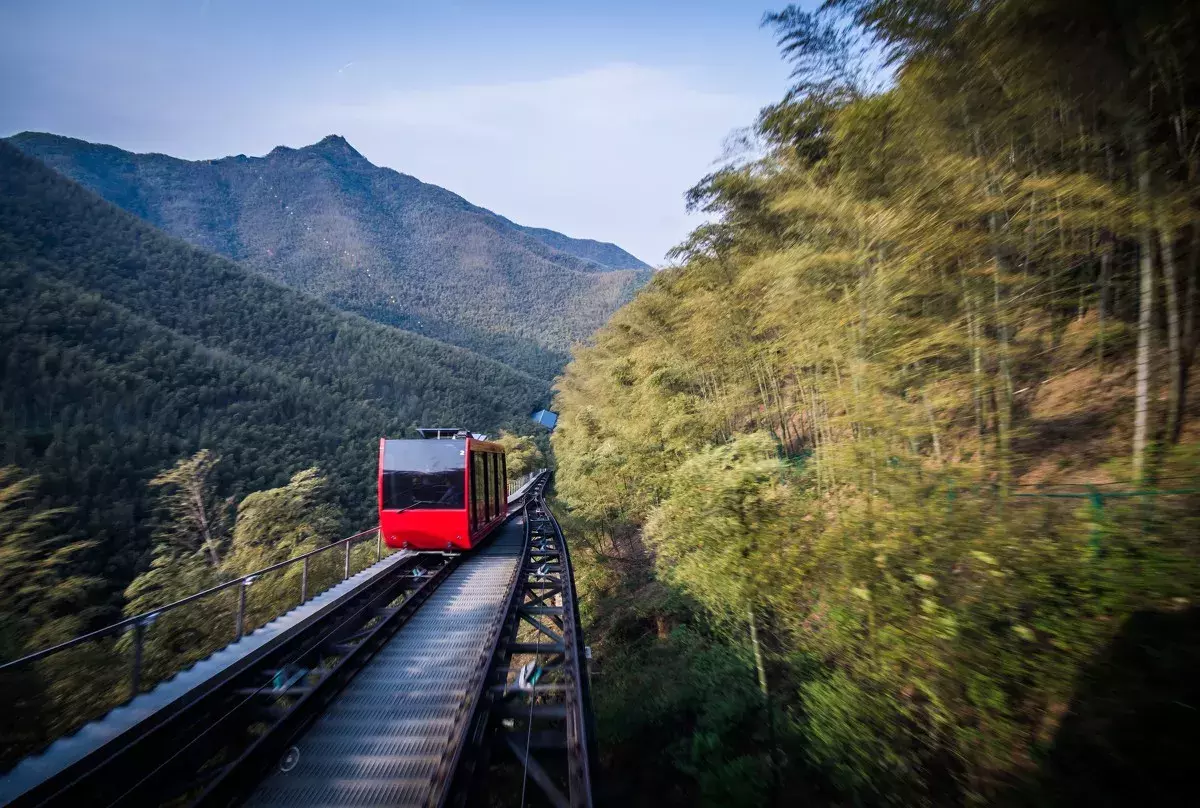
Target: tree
40,600
522,455
198,521
271,526
43,601
279,523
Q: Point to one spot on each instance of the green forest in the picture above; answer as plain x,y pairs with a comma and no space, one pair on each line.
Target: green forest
887,492
126,351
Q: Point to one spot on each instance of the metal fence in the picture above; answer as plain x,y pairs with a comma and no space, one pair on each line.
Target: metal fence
306,575
524,481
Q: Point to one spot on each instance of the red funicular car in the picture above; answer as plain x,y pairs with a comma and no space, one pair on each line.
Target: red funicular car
444,491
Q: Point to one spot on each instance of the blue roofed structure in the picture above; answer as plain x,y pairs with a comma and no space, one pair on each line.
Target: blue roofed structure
546,418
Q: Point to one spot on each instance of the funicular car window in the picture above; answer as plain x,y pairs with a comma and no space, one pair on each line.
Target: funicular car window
485,493
491,490
472,505
424,474
487,488
492,477
477,489
496,489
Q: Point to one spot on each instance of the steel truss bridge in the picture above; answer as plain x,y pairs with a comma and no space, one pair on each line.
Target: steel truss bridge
426,679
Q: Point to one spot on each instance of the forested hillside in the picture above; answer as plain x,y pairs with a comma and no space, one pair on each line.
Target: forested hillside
888,493
372,241
126,350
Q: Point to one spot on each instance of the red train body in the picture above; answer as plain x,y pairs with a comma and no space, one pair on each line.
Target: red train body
441,494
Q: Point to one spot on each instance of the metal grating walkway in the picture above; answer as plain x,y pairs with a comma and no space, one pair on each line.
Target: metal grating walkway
383,741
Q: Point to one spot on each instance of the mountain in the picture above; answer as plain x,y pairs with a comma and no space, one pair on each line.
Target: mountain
125,350
371,240
608,256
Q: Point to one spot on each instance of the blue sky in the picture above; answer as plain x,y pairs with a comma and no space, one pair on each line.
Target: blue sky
587,118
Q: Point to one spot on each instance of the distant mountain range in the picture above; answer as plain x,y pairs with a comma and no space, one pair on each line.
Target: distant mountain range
371,240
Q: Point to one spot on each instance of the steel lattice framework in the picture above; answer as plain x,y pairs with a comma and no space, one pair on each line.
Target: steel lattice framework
536,709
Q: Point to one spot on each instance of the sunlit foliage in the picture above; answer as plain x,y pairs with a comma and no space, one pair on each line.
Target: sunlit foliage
850,434
522,455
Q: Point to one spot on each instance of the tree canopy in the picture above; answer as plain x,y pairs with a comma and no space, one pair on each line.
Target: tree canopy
850,436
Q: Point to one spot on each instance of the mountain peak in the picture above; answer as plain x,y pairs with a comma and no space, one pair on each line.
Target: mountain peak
334,144
375,242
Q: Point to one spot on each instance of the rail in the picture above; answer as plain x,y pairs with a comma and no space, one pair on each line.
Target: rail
519,487
396,735
138,623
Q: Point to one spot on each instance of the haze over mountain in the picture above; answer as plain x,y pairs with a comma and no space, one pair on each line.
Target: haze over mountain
371,240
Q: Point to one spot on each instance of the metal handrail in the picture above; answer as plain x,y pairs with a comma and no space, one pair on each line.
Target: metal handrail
524,482
140,621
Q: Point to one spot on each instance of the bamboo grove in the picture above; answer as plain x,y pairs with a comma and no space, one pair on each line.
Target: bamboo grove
900,456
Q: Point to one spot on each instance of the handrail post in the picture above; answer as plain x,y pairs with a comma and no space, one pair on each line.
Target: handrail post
304,582
241,611
139,635
378,545
347,571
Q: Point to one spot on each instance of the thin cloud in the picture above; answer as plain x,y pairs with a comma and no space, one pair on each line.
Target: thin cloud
586,144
